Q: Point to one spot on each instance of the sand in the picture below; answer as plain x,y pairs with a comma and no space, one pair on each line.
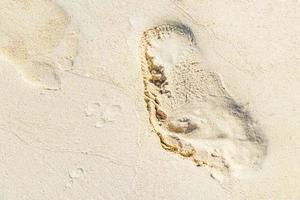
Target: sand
149,99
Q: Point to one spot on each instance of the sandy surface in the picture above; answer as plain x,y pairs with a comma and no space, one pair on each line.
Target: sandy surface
74,122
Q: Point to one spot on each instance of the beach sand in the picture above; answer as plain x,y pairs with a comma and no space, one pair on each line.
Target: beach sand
172,99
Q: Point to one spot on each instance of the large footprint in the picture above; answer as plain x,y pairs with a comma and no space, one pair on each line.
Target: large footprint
190,110
37,37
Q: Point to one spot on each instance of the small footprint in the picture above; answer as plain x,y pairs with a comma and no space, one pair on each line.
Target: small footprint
190,110
38,38
103,113
94,108
76,173
73,175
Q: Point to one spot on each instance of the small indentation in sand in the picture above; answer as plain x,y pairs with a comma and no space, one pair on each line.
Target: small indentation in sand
103,114
94,109
76,173
101,123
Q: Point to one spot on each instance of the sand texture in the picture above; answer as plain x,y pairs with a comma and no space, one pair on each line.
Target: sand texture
163,100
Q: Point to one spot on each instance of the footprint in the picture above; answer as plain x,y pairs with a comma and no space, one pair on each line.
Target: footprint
37,37
190,110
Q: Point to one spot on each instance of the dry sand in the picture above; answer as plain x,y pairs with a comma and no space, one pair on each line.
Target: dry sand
172,99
